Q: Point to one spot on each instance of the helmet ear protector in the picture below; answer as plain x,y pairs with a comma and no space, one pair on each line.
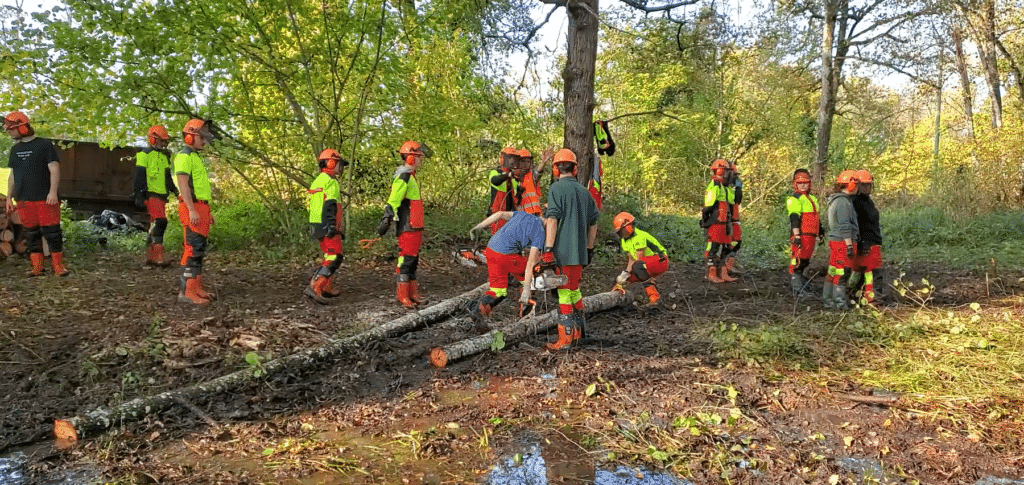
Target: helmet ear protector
564,156
410,150
196,127
18,120
330,159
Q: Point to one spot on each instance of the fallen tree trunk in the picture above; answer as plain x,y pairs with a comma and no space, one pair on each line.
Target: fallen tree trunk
100,419
441,356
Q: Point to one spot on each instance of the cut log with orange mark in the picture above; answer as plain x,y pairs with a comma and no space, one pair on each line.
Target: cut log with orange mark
64,434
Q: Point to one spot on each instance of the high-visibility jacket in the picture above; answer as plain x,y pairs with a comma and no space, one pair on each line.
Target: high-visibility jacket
717,205
642,241
529,196
405,200
324,205
153,174
188,162
502,192
803,214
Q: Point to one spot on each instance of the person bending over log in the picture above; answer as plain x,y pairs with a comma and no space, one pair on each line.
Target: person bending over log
521,230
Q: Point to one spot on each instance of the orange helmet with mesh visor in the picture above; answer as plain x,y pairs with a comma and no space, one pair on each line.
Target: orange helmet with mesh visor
847,179
801,176
864,177
718,169
196,127
623,220
18,120
157,134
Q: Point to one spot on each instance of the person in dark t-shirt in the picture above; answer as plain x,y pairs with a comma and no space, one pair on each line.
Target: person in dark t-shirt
868,262
32,186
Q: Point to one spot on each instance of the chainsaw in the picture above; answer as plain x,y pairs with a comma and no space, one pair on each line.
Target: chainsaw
546,276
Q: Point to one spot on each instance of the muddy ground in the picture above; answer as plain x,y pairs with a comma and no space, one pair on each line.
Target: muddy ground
113,331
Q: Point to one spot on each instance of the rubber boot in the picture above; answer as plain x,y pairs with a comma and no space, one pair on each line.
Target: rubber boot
826,294
652,295
878,285
315,289
414,292
150,256
565,337
723,274
158,256
402,295
328,289
57,259
37,264
713,275
839,300
201,290
799,285
730,264
188,293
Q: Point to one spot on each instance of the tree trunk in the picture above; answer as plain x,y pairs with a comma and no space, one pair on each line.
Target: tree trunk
100,419
442,356
965,80
987,54
827,103
578,77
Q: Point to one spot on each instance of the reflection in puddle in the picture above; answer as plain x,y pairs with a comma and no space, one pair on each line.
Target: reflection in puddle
12,472
529,468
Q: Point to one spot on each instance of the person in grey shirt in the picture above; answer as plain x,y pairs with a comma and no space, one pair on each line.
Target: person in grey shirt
843,233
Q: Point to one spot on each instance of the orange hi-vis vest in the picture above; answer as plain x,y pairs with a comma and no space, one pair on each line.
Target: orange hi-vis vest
530,200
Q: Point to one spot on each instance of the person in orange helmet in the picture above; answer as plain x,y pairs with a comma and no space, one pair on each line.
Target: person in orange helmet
405,204
152,185
716,219
503,185
647,257
868,264
570,232
526,175
735,185
843,234
194,209
326,224
32,191
805,227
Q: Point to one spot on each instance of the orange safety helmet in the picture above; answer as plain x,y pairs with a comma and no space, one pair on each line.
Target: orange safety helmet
157,133
525,159
18,120
622,220
330,159
718,169
864,177
801,175
564,155
409,150
196,127
508,159
847,179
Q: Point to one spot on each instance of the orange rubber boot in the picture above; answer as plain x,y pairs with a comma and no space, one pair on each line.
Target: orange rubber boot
58,264
37,264
713,275
188,293
414,292
653,295
564,339
150,256
328,289
403,295
201,290
730,264
315,290
158,256
723,273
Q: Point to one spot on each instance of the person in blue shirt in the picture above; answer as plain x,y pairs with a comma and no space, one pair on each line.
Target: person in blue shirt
522,231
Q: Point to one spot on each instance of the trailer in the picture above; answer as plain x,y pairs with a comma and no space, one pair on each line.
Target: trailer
93,178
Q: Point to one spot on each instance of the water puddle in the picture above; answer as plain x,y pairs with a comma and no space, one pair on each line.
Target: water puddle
530,468
13,471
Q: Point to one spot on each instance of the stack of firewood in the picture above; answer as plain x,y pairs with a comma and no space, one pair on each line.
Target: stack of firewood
9,223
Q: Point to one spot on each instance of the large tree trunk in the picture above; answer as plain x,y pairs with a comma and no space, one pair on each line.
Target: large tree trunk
100,419
827,102
442,356
987,53
965,80
578,78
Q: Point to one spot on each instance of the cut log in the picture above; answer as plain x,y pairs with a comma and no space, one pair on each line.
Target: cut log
6,235
20,246
442,356
99,419
6,249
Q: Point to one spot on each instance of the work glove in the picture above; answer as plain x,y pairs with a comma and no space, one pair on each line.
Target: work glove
140,200
796,241
385,224
331,231
472,235
590,256
738,184
622,278
850,253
